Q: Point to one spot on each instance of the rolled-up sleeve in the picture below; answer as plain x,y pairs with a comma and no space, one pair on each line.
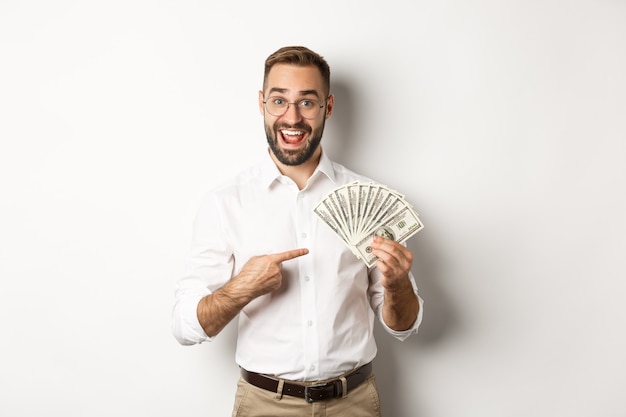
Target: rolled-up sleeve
377,299
208,267
185,325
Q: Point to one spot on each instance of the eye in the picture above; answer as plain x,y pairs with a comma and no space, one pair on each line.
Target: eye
307,103
277,100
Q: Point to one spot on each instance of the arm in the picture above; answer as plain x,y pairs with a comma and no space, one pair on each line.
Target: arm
401,306
207,295
260,275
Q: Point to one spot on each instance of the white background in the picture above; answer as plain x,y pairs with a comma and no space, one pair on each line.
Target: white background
503,122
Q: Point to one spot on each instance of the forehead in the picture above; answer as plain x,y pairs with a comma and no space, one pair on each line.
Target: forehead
294,80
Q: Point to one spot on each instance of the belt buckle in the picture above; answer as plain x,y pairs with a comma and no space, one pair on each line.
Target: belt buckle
319,392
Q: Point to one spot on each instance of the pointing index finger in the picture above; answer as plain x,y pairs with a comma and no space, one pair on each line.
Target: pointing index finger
290,254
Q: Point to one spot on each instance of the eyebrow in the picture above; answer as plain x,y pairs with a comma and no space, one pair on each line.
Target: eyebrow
302,92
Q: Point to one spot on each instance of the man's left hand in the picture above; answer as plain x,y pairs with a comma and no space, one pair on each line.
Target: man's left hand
394,262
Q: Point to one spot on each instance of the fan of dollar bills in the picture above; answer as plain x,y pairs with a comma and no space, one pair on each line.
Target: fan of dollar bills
359,211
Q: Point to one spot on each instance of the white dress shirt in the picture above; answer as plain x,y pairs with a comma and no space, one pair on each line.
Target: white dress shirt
320,322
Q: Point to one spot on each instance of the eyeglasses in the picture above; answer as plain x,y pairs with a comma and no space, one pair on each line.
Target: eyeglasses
277,106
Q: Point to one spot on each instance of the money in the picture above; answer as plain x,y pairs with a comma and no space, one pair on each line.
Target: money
358,211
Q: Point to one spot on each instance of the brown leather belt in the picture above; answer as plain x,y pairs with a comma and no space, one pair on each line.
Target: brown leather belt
311,393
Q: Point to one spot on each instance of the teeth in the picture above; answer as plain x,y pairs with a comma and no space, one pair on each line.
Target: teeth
292,132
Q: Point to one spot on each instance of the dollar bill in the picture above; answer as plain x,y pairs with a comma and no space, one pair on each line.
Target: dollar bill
400,227
358,211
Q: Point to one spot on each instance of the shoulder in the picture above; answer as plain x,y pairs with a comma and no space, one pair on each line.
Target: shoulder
344,174
245,181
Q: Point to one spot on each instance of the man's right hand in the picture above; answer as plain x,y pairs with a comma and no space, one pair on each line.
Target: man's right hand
262,274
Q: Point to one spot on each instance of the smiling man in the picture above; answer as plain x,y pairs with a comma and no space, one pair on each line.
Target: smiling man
305,304
296,103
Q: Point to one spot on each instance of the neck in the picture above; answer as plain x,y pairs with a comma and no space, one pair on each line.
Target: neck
300,174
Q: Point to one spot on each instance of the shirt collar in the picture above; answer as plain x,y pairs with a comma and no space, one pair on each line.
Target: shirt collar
325,167
271,173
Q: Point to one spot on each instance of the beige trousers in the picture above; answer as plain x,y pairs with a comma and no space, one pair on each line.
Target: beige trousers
251,401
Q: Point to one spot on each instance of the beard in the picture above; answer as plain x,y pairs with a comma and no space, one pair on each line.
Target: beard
294,157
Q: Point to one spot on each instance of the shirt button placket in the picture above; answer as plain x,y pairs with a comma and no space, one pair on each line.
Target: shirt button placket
309,312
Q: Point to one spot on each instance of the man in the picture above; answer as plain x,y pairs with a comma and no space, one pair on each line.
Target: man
306,305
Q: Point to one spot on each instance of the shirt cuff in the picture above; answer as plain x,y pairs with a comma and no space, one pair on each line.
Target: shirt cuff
404,334
187,328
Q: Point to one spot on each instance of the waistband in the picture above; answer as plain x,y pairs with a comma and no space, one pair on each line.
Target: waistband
311,393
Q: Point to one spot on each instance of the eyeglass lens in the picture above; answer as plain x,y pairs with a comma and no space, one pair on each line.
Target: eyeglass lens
277,106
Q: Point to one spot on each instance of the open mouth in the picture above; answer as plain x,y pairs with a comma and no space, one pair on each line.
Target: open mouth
292,136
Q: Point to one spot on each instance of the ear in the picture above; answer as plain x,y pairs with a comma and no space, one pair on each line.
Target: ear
330,104
261,105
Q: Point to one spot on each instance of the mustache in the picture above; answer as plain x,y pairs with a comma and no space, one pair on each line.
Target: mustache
297,126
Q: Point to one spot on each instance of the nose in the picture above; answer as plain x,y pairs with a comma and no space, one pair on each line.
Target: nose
292,115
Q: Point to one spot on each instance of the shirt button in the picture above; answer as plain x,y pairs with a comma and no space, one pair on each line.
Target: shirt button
309,323
312,368
303,235
307,278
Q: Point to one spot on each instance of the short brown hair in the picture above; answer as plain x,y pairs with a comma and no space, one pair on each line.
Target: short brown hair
298,55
